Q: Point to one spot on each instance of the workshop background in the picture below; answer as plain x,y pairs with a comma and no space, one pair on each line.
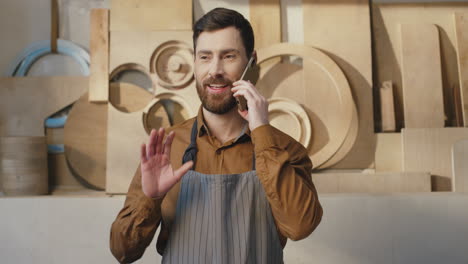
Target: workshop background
377,91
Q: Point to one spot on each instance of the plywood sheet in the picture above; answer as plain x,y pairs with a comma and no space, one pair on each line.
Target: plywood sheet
99,55
372,182
386,38
388,153
430,150
265,18
461,33
342,30
25,102
145,15
460,166
85,142
421,76
126,133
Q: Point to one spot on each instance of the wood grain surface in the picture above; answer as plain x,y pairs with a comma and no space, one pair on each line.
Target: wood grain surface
421,76
99,55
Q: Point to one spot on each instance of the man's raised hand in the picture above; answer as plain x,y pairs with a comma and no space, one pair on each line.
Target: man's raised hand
157,174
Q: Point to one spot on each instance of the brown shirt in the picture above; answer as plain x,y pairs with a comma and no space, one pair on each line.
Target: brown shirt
282,165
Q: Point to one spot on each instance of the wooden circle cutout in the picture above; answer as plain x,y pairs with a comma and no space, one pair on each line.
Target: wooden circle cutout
289,117
336,120
133,67
172,62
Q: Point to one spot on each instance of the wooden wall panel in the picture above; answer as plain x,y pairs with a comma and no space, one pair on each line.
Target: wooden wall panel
421,76
430,150
342,30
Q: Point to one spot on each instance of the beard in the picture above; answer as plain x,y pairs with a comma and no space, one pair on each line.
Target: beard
216,103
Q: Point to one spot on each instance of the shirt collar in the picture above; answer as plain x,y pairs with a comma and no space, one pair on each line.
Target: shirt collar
203,128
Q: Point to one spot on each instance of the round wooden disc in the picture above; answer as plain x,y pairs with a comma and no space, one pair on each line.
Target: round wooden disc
327,99
85,140
289,117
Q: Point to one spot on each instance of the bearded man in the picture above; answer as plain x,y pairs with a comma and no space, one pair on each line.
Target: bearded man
224,186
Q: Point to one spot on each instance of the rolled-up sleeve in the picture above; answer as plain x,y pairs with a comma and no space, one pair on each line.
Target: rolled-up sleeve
136,224
284,169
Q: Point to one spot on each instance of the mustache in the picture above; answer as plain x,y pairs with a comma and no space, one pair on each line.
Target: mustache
219,80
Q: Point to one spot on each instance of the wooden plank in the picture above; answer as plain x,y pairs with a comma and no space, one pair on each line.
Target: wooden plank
461,29
85,142
430,150
151,15
350,48
99,55
387,108
388,153
25,102
397,182
421,76
460,166
125,135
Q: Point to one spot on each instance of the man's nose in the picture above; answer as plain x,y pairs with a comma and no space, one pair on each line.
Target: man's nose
216,68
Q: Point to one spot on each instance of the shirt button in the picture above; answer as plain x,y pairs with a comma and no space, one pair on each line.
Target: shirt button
218,151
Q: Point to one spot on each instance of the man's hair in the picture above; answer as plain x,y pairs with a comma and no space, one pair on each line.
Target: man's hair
220,18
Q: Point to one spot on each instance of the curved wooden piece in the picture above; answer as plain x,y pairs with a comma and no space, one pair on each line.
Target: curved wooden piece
337,122
298,115
85,139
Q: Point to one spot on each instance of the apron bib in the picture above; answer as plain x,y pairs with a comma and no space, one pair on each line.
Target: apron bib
222,218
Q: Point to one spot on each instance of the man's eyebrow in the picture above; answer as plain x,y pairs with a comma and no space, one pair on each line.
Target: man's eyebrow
204,52
224,51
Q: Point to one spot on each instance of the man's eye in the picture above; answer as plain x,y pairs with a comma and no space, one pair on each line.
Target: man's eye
230,56
203,57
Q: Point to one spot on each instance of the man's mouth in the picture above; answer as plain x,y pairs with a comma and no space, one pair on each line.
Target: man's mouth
217,88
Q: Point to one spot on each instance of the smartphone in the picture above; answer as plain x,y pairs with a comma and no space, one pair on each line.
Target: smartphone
241,102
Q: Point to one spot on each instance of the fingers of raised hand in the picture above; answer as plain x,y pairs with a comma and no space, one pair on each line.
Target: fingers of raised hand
150,147
159,142
168,143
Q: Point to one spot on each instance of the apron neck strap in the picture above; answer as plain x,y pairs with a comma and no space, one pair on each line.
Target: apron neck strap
190,153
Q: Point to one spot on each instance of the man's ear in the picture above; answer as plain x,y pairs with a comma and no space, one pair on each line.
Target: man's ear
254,55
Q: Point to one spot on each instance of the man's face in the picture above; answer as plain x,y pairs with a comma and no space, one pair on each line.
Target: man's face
220,59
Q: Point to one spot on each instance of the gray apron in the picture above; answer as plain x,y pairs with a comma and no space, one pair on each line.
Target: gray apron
222,218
